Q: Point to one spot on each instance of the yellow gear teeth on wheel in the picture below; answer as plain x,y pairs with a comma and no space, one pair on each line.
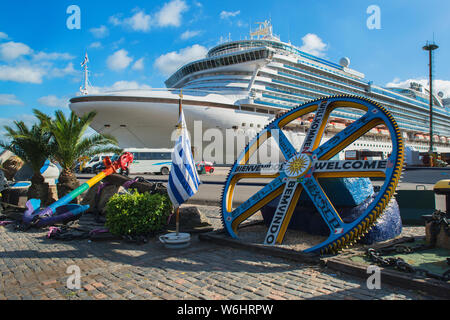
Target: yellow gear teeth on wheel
302,168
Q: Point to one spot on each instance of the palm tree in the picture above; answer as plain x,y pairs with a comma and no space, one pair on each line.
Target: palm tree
70,143
34,146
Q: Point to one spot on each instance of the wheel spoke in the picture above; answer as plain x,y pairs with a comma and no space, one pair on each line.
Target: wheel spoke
316,130
256,202
283,142
283,213
351,168
323,205
347,136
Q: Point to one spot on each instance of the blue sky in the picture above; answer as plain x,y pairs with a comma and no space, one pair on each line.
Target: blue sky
137,44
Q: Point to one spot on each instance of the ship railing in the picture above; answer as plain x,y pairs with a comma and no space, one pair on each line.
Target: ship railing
172,90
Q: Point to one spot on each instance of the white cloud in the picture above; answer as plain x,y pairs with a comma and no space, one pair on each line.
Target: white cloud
189,34
9,100
119,60
24,65
115,20
118,86
170,62
3,35
140,21
52,56
12,50
53,101
228,14
62,72
314,45
23,74
138,65
170,14
100,32
28,119
438,85
95,45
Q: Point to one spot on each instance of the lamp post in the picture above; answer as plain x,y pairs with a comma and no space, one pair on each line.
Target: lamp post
430,47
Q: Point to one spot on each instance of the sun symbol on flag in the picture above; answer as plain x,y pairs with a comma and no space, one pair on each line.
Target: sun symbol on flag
298,165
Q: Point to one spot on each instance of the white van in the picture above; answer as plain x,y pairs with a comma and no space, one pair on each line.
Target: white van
89,167
150,161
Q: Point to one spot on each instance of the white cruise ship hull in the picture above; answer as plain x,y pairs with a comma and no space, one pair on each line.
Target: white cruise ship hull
219,131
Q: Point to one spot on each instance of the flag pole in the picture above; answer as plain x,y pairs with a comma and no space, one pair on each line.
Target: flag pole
180,109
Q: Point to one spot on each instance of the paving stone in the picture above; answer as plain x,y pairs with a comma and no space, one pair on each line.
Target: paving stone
33,268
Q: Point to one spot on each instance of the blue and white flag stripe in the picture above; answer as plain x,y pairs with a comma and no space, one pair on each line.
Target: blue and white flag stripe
183,180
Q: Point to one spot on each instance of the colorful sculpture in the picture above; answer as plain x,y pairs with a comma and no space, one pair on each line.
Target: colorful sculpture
61,211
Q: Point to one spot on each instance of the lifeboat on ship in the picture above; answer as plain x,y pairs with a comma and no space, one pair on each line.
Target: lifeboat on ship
383,132
419,136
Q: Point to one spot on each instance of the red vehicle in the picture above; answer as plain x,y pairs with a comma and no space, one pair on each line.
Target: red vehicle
205,167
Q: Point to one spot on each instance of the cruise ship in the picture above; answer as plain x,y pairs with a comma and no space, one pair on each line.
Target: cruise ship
240,86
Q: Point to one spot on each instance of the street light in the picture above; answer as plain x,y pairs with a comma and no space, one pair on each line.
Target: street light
430,47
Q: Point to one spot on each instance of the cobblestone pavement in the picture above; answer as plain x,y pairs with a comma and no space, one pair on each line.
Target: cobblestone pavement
34,267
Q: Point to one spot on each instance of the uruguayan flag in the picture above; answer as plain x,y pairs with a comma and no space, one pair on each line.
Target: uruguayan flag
183,178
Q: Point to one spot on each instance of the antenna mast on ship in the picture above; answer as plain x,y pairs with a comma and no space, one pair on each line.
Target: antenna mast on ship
264,31
84,64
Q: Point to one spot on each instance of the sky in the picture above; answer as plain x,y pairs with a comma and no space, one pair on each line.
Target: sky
138,44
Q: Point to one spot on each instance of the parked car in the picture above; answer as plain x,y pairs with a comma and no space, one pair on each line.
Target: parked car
89,168
98,167
204,167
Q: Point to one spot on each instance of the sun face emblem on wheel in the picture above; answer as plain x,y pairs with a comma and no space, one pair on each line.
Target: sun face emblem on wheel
298,165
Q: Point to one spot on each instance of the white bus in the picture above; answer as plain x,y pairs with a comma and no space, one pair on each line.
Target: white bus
150,161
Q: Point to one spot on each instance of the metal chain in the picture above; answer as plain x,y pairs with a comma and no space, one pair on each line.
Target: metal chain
400,264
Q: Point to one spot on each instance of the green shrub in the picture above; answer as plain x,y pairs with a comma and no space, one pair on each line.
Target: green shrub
137,213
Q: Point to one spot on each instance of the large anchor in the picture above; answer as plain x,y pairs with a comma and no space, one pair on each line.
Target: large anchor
61,211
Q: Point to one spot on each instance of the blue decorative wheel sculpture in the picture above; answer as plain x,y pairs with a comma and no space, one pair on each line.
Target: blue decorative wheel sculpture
302,169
